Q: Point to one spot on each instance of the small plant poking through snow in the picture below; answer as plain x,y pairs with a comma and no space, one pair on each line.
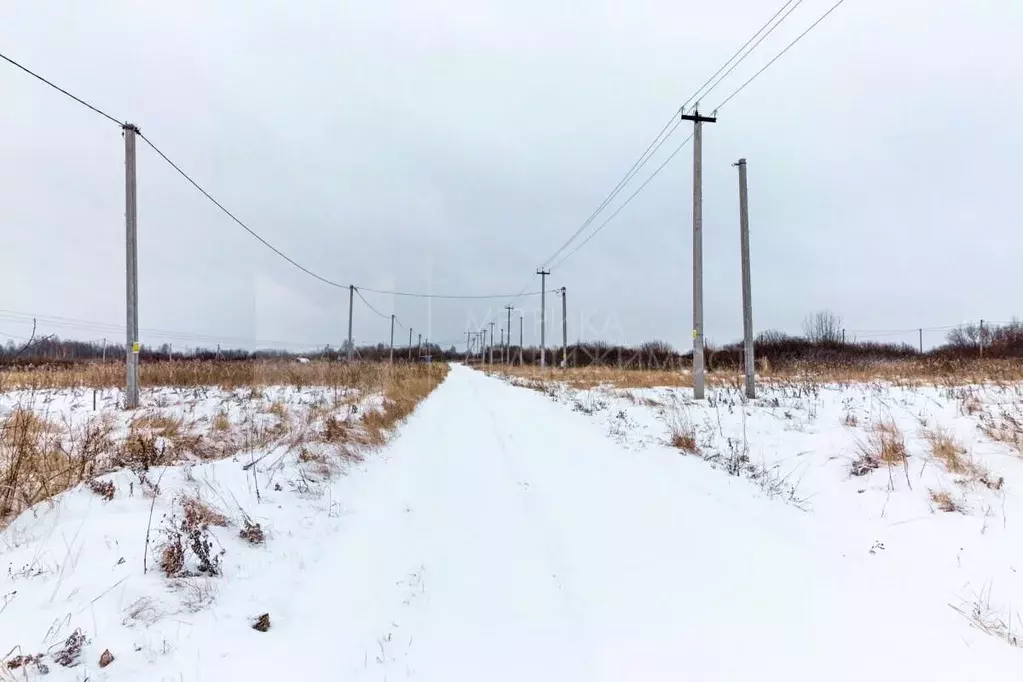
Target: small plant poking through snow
191,533
252,533
104,489
72,650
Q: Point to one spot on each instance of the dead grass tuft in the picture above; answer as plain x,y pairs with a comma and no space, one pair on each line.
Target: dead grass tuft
198,514
943,500
685,440
946,449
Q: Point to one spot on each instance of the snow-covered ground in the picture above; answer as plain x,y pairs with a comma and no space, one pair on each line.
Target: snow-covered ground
503,535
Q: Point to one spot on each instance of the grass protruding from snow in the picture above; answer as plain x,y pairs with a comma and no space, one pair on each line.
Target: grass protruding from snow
51,440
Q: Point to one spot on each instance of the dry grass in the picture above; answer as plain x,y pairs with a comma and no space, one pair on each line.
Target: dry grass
40,458
943,500
685,440
906,373
885,445
949,451
228,375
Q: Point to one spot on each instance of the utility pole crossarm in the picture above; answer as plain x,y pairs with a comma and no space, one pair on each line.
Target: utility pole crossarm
696,118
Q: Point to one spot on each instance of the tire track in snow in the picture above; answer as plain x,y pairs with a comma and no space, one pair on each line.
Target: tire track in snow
528,497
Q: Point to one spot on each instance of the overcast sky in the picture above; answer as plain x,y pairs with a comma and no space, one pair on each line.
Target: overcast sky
450,147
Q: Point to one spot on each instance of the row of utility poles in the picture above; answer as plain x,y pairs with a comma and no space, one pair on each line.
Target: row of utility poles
480,336
699,373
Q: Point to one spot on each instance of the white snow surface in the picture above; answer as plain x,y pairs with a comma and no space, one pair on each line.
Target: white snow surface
502,535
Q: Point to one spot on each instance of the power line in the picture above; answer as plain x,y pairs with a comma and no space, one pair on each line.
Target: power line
237,220
443,296
661,137
625,203
755,45
626,179
779,55
61,90
737,52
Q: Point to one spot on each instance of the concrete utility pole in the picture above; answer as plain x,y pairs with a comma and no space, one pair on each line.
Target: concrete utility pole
500,348
509,308
392,338
410,343
543,314
104,349
698,368
747,295
491,343
131,391
921,341
419,350
564,327
520,340
351,300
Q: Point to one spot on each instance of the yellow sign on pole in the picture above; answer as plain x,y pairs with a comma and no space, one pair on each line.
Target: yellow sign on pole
135,347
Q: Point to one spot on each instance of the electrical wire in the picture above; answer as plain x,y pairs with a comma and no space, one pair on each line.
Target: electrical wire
626,202
235,218
754,47
699,90
61,90
443,296
778,56
626,179
661,137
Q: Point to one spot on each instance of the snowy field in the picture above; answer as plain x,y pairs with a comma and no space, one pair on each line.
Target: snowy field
507,533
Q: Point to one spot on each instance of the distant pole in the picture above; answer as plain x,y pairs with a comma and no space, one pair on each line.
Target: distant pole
500,348
104,349
564,327
520,340
410,343
543,315
491,343
698,367
921,341
131,391
392,338
351,300
843,336
509,308
980,339
419,350
747,295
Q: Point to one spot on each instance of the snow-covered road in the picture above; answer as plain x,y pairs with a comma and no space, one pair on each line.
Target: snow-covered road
504,538
499,536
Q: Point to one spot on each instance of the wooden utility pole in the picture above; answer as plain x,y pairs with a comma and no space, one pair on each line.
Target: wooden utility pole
543,315
698,368
747,295
419,350
392,338
564,327
351,300
131,391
